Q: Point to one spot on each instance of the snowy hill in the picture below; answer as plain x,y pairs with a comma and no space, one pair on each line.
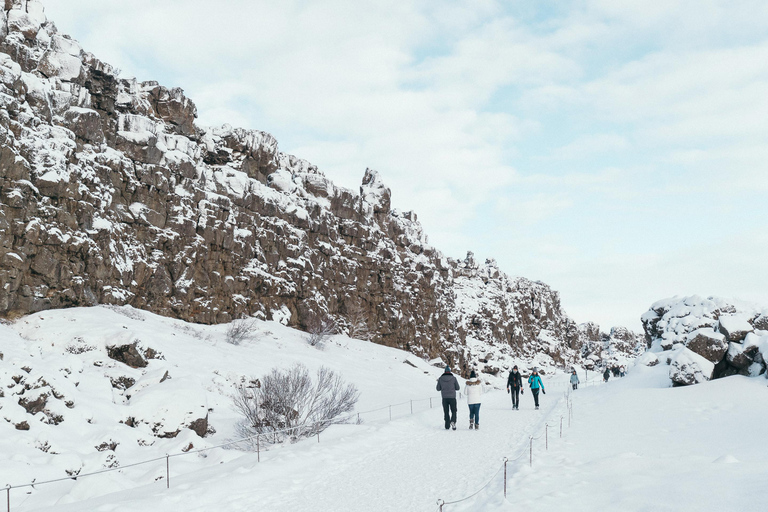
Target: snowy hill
110,193
627,441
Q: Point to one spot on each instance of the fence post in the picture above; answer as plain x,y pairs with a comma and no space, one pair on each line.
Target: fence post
546,436
440,504
167,471
530,453
561,426
411,406
390,413
258,449
505,477
430,402
8,494
318,437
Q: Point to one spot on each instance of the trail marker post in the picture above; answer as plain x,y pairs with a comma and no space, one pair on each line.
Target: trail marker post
530,453
505,477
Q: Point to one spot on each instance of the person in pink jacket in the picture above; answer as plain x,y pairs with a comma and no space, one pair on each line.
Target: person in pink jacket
474,388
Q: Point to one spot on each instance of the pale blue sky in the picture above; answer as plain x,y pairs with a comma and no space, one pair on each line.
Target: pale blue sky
614,150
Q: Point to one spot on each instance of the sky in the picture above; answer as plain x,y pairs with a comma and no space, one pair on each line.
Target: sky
616,151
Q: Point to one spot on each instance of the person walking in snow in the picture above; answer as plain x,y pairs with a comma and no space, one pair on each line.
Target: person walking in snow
574,380
606,374
534,381
515,386
448,385
474,389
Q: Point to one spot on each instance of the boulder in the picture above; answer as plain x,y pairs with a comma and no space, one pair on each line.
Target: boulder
738,357
200,426
735,327
707,343
761,322
648,359
127,354
687,367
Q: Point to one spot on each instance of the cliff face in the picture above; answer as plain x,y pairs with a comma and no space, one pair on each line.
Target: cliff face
111,194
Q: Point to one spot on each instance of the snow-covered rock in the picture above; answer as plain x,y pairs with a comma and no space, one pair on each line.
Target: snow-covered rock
735,327
713,328
688,368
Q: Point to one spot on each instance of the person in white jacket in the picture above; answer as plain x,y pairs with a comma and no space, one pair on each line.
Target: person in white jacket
474,389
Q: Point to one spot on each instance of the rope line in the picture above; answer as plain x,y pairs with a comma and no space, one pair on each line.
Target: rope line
208,448
478,491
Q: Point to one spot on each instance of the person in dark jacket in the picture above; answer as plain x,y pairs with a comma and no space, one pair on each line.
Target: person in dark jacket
448,385
606,375
534,381
515,386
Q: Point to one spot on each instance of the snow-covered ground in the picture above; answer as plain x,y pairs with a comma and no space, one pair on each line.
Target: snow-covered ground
633,444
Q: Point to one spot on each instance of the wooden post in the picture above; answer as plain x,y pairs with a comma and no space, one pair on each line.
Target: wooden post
390,413
411,406
8,494
258,449
530,453
546,436
505,477
167,471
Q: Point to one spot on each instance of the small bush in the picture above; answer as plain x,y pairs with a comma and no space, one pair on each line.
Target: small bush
240,331
289,404
320,328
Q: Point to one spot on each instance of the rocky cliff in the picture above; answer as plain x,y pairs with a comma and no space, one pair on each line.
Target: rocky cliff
110,193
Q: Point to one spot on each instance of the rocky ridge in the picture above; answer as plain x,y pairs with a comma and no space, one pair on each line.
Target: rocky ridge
706,338
110,193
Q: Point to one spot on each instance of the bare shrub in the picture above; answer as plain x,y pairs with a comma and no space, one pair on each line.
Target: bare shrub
320,328
289,404
240,330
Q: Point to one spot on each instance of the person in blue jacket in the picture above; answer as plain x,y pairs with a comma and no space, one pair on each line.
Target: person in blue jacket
534,381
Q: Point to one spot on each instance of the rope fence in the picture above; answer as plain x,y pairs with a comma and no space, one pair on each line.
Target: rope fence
356,416
531,438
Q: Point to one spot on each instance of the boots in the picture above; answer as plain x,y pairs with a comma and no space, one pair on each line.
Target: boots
471,424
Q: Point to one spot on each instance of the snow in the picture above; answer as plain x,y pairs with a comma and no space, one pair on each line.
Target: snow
633,444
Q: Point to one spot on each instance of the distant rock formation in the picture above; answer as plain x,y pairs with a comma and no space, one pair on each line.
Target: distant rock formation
111,194
703,339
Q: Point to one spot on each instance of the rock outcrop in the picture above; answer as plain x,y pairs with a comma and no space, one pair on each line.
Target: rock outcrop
111,194
707,338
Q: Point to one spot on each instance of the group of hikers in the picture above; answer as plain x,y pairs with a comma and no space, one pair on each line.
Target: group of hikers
617,371
448,385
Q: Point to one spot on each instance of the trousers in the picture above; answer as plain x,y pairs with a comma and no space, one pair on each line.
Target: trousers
474,413
449,406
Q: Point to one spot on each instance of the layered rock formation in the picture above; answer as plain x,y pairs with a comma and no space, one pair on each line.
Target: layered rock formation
703,339
111,194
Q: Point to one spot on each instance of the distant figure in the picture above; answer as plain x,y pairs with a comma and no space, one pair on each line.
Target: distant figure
534,381
448,385
615,371
474,389
515,386
606,374
622,371
574,380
